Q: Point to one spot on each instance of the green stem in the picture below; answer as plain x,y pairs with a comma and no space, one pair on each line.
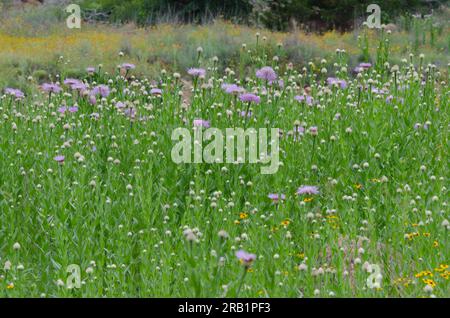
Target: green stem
242,281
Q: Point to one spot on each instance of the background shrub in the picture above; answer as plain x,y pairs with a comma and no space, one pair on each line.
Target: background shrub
318,15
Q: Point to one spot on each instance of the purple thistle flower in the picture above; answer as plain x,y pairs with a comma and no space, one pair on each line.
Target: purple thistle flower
128,66
343,84
224,86
102,90
279,82
365,65
90,70
71,81
245,258
156,91
75,84
62,109
201,123
298,132
299,129
335,81
331,80
232,89
51,88
17,93
10,91
275,197
92,100
313,130
248,97
306,189
59,159
378,91
304,98
266,73
196,72
120,105
246,114
79,86
73,109
131,112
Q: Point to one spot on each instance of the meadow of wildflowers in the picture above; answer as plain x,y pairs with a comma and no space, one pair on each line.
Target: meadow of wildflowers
357,208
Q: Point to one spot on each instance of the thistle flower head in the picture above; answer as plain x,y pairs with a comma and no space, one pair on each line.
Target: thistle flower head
251,98
245,258
307,189
197,72
266,73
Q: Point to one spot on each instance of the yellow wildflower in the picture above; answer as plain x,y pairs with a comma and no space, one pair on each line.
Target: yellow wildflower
429,282
301,255
243,215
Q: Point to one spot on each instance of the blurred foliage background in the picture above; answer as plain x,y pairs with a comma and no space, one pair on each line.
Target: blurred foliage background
280,15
